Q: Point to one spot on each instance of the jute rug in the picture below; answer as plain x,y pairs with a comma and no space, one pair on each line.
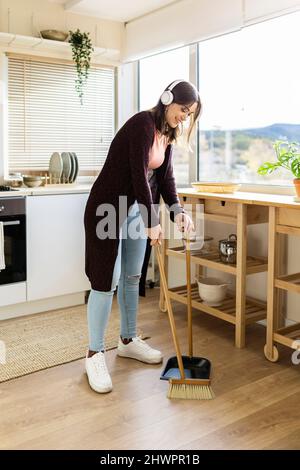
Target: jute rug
43,340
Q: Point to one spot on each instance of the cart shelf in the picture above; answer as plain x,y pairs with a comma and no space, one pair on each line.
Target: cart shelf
255,310
288,335
289,282
212,260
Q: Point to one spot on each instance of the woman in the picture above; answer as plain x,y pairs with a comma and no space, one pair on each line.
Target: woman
138,169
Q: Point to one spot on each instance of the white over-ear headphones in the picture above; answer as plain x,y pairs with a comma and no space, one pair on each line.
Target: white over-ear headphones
167,97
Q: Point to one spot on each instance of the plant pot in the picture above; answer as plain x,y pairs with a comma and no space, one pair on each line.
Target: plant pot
296,182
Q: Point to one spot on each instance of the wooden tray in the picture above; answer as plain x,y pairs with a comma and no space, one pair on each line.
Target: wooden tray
205,187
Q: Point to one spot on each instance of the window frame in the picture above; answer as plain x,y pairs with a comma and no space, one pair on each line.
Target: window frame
284,189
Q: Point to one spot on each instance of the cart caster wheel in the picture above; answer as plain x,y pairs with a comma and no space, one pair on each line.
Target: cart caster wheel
151,284
275,354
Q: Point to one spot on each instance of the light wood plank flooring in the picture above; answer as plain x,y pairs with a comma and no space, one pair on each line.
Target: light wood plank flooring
256,404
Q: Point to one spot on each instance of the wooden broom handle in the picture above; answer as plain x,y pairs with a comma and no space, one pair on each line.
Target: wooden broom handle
169,310
189,293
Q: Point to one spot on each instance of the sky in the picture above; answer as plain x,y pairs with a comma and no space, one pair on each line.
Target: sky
249,78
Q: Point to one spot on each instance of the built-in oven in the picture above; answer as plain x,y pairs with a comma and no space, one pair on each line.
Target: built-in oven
13,218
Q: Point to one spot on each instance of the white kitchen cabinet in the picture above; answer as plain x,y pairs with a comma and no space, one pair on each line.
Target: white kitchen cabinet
12,293
55,245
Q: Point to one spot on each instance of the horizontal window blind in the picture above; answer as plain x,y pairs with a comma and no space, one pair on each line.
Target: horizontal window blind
45,114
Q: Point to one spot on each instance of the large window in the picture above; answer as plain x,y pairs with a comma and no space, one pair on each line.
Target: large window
249,83
45,115
156,73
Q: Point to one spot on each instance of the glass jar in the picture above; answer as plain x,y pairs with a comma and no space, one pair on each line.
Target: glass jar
15,180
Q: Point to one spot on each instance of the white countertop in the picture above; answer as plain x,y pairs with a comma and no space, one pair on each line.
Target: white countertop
48,190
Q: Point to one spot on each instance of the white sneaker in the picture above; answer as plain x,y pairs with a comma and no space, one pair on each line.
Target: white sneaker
138,349
98,376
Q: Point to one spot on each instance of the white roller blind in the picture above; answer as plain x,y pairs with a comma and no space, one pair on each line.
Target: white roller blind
45,114
179,24
256,10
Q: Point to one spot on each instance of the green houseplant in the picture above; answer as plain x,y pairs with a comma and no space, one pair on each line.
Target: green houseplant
81,54
288,157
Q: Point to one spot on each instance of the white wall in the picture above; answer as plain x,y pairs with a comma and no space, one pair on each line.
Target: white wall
193,20
127,92
28,17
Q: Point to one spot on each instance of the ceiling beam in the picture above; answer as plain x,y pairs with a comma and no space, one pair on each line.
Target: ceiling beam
71,3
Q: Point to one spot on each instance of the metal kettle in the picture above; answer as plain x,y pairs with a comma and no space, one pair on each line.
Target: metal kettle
227,249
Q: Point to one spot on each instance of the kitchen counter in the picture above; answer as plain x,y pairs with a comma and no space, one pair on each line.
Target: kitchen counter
261,199
48,190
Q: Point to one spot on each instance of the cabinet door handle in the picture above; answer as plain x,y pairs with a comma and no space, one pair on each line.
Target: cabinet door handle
16,222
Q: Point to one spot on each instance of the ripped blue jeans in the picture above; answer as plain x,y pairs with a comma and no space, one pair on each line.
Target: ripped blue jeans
126,275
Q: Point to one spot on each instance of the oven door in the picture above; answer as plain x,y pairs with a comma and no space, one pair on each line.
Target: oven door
14,228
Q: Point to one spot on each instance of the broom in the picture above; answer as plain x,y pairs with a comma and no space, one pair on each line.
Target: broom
187,388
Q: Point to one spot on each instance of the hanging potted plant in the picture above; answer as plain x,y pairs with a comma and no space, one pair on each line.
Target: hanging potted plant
288,157
81,54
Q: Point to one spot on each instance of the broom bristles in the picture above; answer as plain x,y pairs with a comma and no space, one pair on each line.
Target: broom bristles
190,392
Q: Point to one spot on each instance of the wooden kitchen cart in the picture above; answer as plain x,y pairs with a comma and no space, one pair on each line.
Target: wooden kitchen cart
283,219
239,209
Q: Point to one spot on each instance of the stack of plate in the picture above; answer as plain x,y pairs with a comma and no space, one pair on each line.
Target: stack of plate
76,165
55,168
63,168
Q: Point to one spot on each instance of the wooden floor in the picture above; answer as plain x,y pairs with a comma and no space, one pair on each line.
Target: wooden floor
256,404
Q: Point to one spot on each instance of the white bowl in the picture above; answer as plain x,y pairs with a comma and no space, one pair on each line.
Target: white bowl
32,181
54,34
212,290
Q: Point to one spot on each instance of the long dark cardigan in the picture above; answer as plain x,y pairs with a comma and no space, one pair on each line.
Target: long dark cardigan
125,173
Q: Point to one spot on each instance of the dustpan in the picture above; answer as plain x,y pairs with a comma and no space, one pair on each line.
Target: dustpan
188,376
194,367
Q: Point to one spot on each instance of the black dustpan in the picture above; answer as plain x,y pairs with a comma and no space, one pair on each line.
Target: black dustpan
194,368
